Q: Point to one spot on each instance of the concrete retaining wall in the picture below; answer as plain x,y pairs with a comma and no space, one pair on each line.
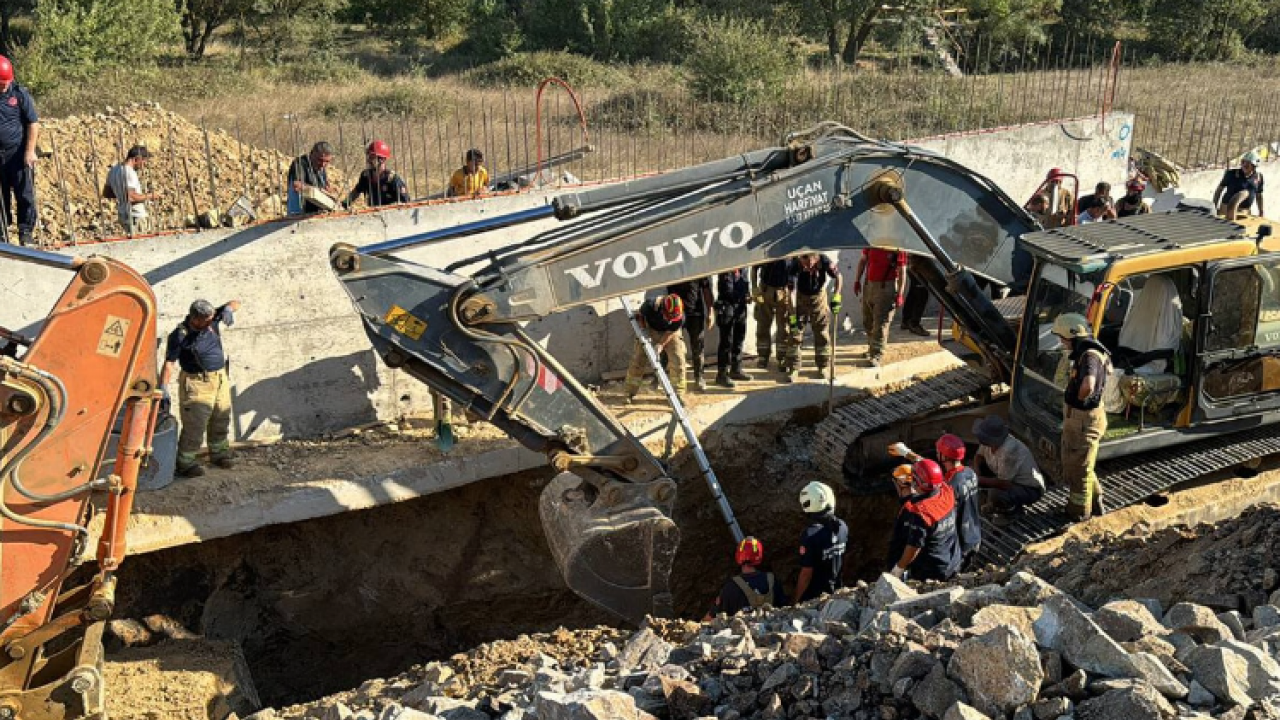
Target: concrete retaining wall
301,365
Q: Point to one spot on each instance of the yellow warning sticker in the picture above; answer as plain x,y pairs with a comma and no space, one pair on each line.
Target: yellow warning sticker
404,323
111,341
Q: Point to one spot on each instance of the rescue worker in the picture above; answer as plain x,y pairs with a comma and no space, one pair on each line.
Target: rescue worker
19,133
964,485
733,292
124,186
925,544
1091,211
752,588
663,319
1084,420
378,184
913,307
696,298
1132,204
1038,206
885,273
1006,469
1101,194
470,179
309,171
204,389
1238,189
770,282
822,544
809,305
1062,202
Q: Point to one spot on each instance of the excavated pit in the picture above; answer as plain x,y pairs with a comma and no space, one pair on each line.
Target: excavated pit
319,606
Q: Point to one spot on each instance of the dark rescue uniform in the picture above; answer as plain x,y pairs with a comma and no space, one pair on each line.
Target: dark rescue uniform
733,291
388,190
1235,180
760,589
929,523
822,547
695,318
964,485
17,181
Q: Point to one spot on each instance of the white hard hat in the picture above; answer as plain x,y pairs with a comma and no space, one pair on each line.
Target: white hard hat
817,497
1251,157
1071,325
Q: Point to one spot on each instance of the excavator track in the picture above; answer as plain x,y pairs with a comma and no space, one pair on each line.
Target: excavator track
1127,481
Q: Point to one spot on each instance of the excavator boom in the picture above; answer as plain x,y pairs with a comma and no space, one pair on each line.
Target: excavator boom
825,189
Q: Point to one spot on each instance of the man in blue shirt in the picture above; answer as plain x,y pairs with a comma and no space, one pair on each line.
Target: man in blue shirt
19,131
204,390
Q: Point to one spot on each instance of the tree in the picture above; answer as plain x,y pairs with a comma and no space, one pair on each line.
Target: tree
1194,30
200,18
1009,25
10,9
427,18
79,37
738,61
297,28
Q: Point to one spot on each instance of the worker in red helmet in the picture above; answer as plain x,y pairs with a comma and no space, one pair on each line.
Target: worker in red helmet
964,485
1131,203
663,319
19,133
378,184
1062,201
752,588
925,544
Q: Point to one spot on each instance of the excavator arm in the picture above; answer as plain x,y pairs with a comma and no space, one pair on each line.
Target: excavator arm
826,189
92,361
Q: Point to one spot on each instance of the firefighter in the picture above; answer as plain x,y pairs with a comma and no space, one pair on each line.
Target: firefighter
733,292
379,184
925,543
886,280
751,588
19,134
696,297
1084,420
770,282
809,305
822,544
204,389
964,485
663,319
1131,203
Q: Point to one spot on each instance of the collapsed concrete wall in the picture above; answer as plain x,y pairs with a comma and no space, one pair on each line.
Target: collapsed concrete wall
300,363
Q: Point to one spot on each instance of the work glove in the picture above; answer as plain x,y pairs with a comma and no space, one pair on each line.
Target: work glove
857,287
900,449
793,322
897,572
899,301
835,303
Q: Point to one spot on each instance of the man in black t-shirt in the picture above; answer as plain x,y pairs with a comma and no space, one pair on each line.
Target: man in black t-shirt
696,296
1239,188
752,588
822,544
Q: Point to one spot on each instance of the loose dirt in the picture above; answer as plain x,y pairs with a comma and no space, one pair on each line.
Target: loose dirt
178,680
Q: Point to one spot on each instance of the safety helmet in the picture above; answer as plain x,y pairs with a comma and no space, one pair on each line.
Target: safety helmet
1054,174
1071,325
950,447
750,552
817,497
927,472
672,308
378,148
1251,157
1136,185
902,473
6,70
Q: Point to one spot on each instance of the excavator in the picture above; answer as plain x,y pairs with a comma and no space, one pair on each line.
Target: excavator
607,512
91,365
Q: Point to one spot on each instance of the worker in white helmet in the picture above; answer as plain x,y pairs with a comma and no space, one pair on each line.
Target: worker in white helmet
822,544
1239,187
1084,420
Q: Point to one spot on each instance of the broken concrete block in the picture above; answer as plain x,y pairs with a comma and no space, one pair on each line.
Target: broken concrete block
960,711
1264,672
936,600
645,650
1000,670
1197,621
1127,620
1221,672
588,705
1063,627
936,692
888,590
992,616
1140,702
1149,668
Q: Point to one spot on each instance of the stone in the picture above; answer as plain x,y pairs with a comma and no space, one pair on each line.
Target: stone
1140,702
1234,623
685,700
915,662
960,711
1270,579
1153,671
1199,696
794,644
588,705
1264,616
772,709
935,693
512,677
1000,670
645,650
1023,618
1051,709
337,711
936,600
785,674
1028,590
1024,713
1127,620
836,610
398,712
464,713
1263,671
1221,672
1051,662
129,632
1198,621
888,590
1075,684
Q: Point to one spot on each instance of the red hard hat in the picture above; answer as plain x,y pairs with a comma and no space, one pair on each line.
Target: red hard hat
6,70
672,308
928,472
950,447
1136,185
378,148
1054,174
750,552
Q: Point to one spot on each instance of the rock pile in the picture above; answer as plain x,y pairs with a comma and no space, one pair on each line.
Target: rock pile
1023,650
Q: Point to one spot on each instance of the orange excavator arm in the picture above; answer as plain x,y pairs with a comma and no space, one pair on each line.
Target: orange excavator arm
93,360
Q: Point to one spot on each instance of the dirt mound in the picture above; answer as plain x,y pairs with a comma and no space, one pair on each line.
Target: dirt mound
189,679
184,161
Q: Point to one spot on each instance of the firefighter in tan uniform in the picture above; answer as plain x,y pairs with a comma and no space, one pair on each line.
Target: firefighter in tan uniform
772,309
809,275
204,389
1084,420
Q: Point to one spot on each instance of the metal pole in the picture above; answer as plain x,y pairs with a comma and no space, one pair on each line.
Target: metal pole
678,409
213,182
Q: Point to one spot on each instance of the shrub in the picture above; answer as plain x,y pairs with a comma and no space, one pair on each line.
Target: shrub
526,69
665,37
493,33
320,69
739,61
401,99
77,38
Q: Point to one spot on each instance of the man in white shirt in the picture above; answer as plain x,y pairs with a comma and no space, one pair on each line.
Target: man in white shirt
1006,468
125,188
1092,210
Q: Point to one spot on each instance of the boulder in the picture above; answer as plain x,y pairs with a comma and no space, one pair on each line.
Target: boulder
888,590
1221,672
1234,623
1139,702
1051,709
933,695
914,662
1264,672
999,669
685,700
645,650
1028,590
960,711
1023,618
784,675
1127,620
1200,696
1197,621
588,705
936,600
836,610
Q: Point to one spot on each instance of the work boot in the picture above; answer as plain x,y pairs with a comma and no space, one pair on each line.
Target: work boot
735,372
24,238
226,462
919,330
762,362
700,383
191,471
723,379
788,374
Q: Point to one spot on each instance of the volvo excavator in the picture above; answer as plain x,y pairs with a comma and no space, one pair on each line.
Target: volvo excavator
607,511
91,363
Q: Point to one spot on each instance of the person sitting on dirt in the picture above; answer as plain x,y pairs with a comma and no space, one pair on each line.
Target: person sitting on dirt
1132,204
1006,468
752,588
471,179
925,544
378,184
822,544
964,484
1093,211
1101,194
1239,187
309,171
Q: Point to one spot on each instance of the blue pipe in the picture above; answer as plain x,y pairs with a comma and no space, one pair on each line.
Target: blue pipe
40,257
471,228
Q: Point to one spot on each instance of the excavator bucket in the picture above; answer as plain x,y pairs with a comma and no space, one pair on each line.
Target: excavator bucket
614,542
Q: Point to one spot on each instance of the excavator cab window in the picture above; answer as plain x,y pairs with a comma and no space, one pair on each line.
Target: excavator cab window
1043,373
1241,334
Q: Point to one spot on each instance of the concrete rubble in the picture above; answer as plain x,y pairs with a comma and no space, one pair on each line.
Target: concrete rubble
1021,650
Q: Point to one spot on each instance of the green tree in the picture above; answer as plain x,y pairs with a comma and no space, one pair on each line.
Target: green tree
429,19
1194,30
738,61
292,28
9,9
79,37
200,18
1010,25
